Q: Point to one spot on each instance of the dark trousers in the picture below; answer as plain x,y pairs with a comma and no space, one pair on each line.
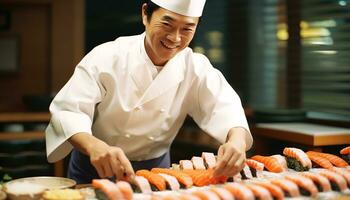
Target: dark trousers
81,170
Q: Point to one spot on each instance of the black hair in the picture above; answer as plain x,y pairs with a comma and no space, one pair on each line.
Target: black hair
150,8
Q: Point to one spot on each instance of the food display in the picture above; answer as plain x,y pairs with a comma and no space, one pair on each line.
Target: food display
294,174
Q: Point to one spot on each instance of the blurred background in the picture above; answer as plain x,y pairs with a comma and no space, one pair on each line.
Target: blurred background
289,60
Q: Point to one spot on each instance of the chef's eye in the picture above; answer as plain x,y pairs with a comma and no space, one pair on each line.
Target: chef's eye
166,24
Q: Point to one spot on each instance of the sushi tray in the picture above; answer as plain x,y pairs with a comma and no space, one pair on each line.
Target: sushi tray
293,174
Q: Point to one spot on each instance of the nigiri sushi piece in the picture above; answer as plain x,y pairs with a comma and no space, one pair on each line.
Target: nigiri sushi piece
259,192
223,193
343,172
184,179
108,188
172,183
235,178
157,182
206,195
297,159
142,185
345,153
239,191
319,161
209,160
321,182
270,163
198,162
289,188
306,185
256,167
275,191
338,183
185,196
185,164
246,173
335,160
126,189
281,160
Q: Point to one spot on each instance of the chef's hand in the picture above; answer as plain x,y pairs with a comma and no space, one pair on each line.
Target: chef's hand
232,155
108,160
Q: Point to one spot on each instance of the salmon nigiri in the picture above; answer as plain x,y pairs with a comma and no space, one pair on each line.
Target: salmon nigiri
259,192
270,163
319,161
222,193
206,195
338,182
297,159
108,188
126,189
306,185
275,191
321,182
239,191
345,153
290,188
335,160
184,179
255,167
154,179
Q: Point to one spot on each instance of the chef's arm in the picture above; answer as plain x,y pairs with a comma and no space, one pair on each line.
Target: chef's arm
240,135
108,160
231,155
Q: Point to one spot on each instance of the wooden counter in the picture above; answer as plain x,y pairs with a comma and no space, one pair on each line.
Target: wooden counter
310,136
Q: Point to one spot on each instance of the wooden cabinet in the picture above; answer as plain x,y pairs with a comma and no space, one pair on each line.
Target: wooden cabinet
24,149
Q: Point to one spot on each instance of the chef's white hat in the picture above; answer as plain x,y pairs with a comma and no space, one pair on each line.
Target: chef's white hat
191,8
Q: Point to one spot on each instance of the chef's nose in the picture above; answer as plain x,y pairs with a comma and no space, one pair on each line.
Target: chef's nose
174,36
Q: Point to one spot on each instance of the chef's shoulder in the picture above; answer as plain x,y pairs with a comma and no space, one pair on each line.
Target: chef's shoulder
110,52
198,63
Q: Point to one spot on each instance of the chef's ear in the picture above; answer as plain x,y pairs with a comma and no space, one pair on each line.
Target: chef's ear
144,14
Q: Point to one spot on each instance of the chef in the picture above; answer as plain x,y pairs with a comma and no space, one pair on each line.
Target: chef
127,99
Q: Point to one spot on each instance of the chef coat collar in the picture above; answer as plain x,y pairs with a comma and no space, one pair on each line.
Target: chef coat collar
171,75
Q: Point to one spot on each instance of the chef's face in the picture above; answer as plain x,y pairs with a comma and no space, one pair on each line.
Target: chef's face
167,33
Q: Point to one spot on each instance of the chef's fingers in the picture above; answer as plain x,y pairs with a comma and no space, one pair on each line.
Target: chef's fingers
222,162
235,165
230,165
118,170
124,161
99,169
108,172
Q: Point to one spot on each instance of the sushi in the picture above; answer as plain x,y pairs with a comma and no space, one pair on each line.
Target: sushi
209,160
270,163
306,185
345,153
297,159
321,182
256,167
335,160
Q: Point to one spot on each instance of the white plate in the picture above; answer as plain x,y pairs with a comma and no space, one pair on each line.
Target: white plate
48,182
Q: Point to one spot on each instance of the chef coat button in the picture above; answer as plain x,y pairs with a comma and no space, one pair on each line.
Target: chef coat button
151,137
127,135
162,110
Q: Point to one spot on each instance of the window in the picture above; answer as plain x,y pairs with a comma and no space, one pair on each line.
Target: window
298,55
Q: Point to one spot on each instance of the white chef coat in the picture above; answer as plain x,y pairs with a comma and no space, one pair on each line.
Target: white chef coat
113,96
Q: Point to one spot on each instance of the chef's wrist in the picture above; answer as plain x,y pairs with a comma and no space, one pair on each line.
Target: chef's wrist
237,137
